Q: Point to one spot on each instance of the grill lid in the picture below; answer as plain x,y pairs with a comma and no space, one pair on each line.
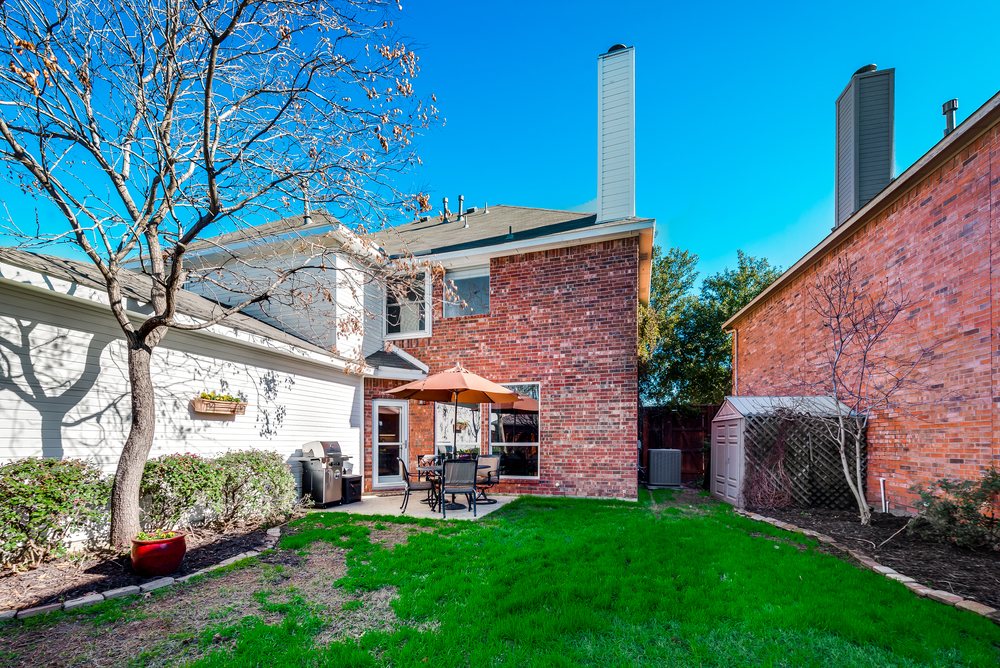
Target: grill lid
322,449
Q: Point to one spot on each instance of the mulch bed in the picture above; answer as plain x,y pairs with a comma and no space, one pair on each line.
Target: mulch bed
79,575
972,574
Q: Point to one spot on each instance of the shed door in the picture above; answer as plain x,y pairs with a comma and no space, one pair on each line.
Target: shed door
727,461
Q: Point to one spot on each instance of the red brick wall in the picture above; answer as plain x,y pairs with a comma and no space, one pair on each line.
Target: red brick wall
564,318
940,240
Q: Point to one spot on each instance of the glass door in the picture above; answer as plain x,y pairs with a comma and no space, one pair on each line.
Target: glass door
389,441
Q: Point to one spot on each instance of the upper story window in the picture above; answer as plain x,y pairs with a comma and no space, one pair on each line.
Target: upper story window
471,294
407,314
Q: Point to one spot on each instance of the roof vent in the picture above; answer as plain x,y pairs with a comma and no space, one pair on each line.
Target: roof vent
510,231
617,47
867,68
948,109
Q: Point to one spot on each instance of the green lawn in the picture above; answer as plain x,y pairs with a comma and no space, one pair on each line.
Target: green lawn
547,582
554,582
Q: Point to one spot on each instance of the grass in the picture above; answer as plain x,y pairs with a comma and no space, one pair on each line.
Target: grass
568,582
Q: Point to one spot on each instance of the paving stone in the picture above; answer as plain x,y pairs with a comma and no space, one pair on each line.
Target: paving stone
943,597
7,614
187,577
809,532
780,524
918,589
868,563
976,607
856,555
250,553
884,570
274,531
124,591
899,577
40,610
791,527
823,538
156,584
837,545
83,601
225,562
995,616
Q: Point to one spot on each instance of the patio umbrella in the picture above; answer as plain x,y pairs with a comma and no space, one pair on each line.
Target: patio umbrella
457,385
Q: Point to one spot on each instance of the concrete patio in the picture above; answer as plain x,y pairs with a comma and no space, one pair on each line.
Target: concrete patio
388,504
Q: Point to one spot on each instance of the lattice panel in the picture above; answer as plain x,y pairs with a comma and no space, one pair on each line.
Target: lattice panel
813,473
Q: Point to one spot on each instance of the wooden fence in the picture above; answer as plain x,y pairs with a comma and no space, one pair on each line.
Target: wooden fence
684,428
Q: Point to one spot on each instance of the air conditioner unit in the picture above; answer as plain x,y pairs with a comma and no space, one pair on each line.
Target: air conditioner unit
664,469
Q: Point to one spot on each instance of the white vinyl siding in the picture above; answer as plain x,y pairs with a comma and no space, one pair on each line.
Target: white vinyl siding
64,388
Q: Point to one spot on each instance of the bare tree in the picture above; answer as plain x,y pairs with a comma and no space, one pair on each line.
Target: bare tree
858,365
151,124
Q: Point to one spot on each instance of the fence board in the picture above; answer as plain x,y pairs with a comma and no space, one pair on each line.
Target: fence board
684,428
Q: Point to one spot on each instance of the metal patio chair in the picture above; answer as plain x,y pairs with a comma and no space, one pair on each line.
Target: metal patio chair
459,477
415,486
486,478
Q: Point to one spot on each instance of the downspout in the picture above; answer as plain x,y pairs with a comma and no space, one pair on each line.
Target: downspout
736,362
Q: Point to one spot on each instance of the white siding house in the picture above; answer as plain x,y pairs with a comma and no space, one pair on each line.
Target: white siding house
64,380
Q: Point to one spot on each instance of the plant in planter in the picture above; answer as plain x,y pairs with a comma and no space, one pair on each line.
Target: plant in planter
159,552
216,402
461,425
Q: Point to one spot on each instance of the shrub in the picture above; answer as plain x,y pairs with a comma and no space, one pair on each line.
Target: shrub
176,484
964,513
42,501
257,485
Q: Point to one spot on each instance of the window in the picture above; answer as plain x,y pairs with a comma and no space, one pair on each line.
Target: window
514,432
472,287
406,308
468,427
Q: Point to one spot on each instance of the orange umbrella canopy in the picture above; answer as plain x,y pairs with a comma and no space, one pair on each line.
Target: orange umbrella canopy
457,384
526,404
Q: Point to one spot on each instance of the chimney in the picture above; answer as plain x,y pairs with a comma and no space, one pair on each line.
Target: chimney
948,109
865,139
616,133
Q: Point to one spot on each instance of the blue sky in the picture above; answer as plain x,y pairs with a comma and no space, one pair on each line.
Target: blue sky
734,106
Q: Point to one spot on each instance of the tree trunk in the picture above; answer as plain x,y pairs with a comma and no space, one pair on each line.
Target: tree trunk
128,477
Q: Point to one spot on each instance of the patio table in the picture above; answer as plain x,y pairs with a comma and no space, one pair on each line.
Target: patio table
454,505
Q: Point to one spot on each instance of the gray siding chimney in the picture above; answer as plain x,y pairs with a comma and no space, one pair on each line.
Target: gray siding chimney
865,139
616,133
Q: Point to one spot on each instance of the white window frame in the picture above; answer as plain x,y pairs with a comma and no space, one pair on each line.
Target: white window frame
428,313
538,444
458,274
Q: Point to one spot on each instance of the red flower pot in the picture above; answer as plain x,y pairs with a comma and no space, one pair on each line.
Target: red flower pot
158,557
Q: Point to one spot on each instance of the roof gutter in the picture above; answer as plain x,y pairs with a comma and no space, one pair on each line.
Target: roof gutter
964,135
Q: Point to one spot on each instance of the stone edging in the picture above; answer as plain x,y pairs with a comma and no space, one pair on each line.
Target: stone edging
269,540
920,590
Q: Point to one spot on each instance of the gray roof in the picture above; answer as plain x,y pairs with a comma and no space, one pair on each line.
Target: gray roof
292,226
137,287
435,235
767,405
384,358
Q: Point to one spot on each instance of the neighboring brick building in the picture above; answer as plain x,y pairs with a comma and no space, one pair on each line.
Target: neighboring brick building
935,230
561,319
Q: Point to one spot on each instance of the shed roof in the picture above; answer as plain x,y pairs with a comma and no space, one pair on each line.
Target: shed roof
745,406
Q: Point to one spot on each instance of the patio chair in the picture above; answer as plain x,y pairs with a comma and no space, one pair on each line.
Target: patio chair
415,486
459,477
486,478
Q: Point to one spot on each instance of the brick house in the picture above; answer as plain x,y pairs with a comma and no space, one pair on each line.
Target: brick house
934,228
551,310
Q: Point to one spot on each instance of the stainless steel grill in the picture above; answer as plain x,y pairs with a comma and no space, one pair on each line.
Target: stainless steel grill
322,470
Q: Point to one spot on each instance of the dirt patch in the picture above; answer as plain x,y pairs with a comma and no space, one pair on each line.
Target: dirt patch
82,574
971,574
167,628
